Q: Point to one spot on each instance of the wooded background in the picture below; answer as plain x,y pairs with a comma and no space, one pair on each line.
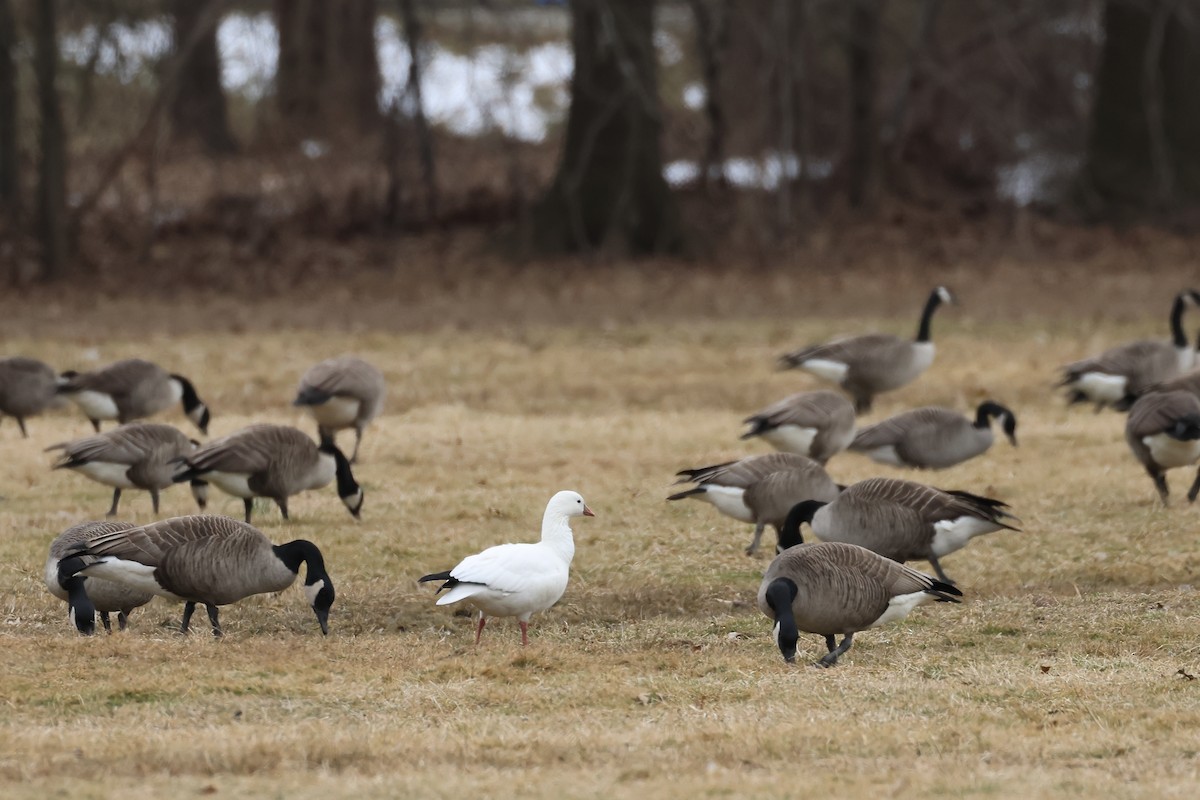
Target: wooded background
614,127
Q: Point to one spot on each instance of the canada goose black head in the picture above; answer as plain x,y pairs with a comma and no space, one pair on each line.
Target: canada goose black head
318,587
789,533
780,595
1008,420
193,406
347,488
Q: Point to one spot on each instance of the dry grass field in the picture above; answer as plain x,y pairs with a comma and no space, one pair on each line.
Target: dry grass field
1069,671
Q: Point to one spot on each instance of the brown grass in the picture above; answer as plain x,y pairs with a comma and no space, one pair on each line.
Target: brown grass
1068,671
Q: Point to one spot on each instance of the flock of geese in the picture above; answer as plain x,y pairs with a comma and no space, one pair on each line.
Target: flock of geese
854,579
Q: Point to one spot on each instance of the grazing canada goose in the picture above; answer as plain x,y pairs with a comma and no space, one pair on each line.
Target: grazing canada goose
27,388
818,425
202,559
873,363
343,392
518,580
275,461
900,520
933,438
139,455
724,485
103,595
1127,369
771,497
133,389
832,588
1163,431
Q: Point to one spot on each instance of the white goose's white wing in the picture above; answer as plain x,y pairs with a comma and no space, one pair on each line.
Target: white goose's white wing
509,579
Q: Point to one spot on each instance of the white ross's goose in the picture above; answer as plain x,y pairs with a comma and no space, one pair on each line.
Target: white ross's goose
518,580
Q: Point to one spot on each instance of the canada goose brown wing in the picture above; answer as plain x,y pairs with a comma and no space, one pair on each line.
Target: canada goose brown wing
149,544
1188,382
251,450
903,427
771,497
224,568
118,378
131,443
740,474
1158,412
345,375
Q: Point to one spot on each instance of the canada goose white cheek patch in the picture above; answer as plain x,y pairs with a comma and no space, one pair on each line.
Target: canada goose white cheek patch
311,590
95,405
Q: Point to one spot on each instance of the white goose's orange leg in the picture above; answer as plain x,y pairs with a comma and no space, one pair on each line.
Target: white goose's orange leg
479,630
524,634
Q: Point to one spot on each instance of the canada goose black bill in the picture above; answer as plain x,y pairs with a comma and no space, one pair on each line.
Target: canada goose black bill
202,559
832,589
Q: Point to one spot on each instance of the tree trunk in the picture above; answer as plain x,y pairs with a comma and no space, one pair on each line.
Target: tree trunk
328,69
712,38
862,55
1144,147
198,101
609,191
52,165
8,109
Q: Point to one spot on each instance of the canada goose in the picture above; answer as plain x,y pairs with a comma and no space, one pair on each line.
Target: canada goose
771,497
343,392
832,588
518,580
202,559
1163,431
1187,382
138,455
275,461
815,424
900,520
933,438
1129,368
133,389
27,388
103,595
724,484
873,363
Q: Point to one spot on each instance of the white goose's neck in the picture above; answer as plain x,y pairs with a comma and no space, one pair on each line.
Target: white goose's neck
556,534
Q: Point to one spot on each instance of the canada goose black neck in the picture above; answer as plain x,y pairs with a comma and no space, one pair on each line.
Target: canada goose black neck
1178,338
779,596
789,532
193,406
987,410
83,611
935,300
318,586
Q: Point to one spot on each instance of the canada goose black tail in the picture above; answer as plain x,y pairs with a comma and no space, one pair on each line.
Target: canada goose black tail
988,507
308,396
758,427
688,493
944,592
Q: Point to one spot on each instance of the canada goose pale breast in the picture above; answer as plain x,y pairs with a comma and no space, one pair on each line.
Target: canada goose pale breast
1163,431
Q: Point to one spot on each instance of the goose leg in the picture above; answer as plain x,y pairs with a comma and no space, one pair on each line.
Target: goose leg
96,425
189,608
212,617
357,442
752,548
862,403
112,512
1160,483
832,656
21,423
479,629
933,560
524,633
154,500
249,503
107,624
122,620
1195,490
282,503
